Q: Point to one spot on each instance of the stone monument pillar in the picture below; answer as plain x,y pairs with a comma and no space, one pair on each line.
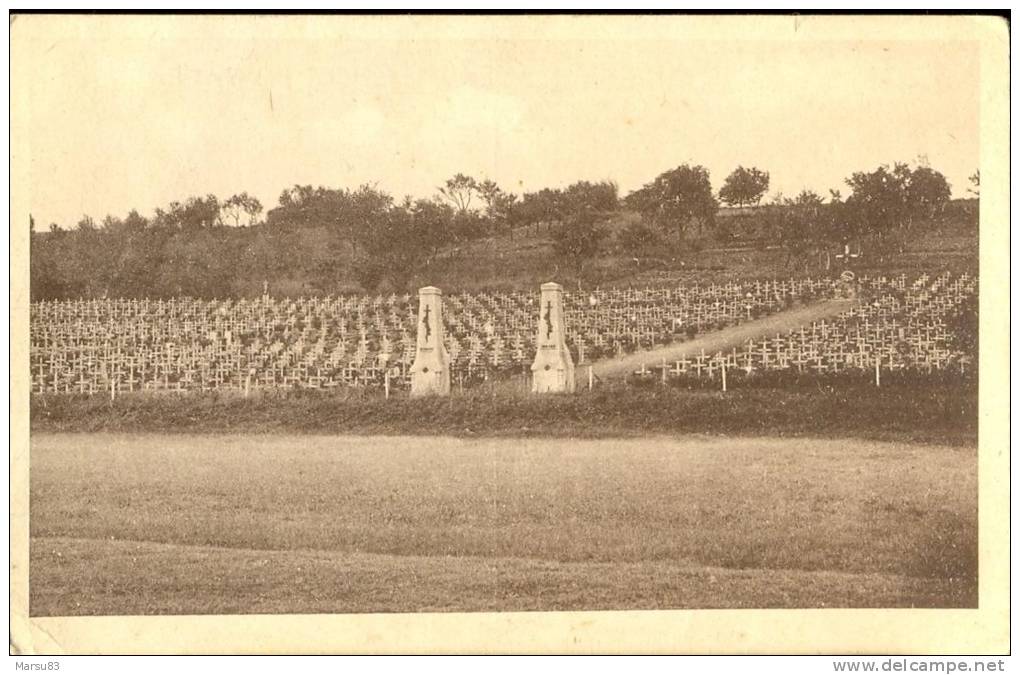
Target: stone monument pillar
430,372
553,369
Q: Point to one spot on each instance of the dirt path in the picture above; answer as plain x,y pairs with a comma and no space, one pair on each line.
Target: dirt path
733,336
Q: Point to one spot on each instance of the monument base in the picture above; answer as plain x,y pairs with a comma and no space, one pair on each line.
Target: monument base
553,372
430,382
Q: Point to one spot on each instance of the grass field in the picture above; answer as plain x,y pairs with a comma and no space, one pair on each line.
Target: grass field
925,411
147,523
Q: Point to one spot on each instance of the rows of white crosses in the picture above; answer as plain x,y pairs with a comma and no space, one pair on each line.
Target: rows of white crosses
89,346
904,326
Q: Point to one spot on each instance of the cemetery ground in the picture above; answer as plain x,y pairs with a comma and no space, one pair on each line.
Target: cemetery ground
132,523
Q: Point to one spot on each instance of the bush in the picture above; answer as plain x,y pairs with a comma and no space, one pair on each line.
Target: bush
639,238
369,273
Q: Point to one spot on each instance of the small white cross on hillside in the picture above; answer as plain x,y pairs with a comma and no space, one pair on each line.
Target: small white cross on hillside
846,255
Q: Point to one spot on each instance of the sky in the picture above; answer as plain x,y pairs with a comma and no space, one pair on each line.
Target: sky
136,114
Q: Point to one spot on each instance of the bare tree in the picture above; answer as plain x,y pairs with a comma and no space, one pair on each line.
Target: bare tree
459,190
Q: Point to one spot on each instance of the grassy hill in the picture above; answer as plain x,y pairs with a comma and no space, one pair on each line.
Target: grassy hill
303,260
525,258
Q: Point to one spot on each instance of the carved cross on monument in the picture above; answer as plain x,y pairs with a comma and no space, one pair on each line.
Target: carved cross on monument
548,320
425,322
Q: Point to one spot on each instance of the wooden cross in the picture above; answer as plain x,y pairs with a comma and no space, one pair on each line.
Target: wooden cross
748,365
846,256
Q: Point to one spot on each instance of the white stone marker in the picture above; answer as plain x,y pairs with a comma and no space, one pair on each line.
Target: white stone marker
553,369
430,372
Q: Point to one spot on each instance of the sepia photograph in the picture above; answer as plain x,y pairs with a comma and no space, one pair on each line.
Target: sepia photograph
436,319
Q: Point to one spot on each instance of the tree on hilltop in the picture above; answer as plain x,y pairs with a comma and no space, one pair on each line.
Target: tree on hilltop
459,191
580,235
240,205
744,187
676,198
884,199
499,205
927,192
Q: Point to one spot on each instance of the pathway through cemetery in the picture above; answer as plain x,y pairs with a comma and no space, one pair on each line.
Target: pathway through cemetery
734,336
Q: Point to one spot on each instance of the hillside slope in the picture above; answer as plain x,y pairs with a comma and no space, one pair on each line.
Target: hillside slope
525,259
301,261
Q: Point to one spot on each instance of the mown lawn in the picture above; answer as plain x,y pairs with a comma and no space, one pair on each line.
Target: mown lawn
148,523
